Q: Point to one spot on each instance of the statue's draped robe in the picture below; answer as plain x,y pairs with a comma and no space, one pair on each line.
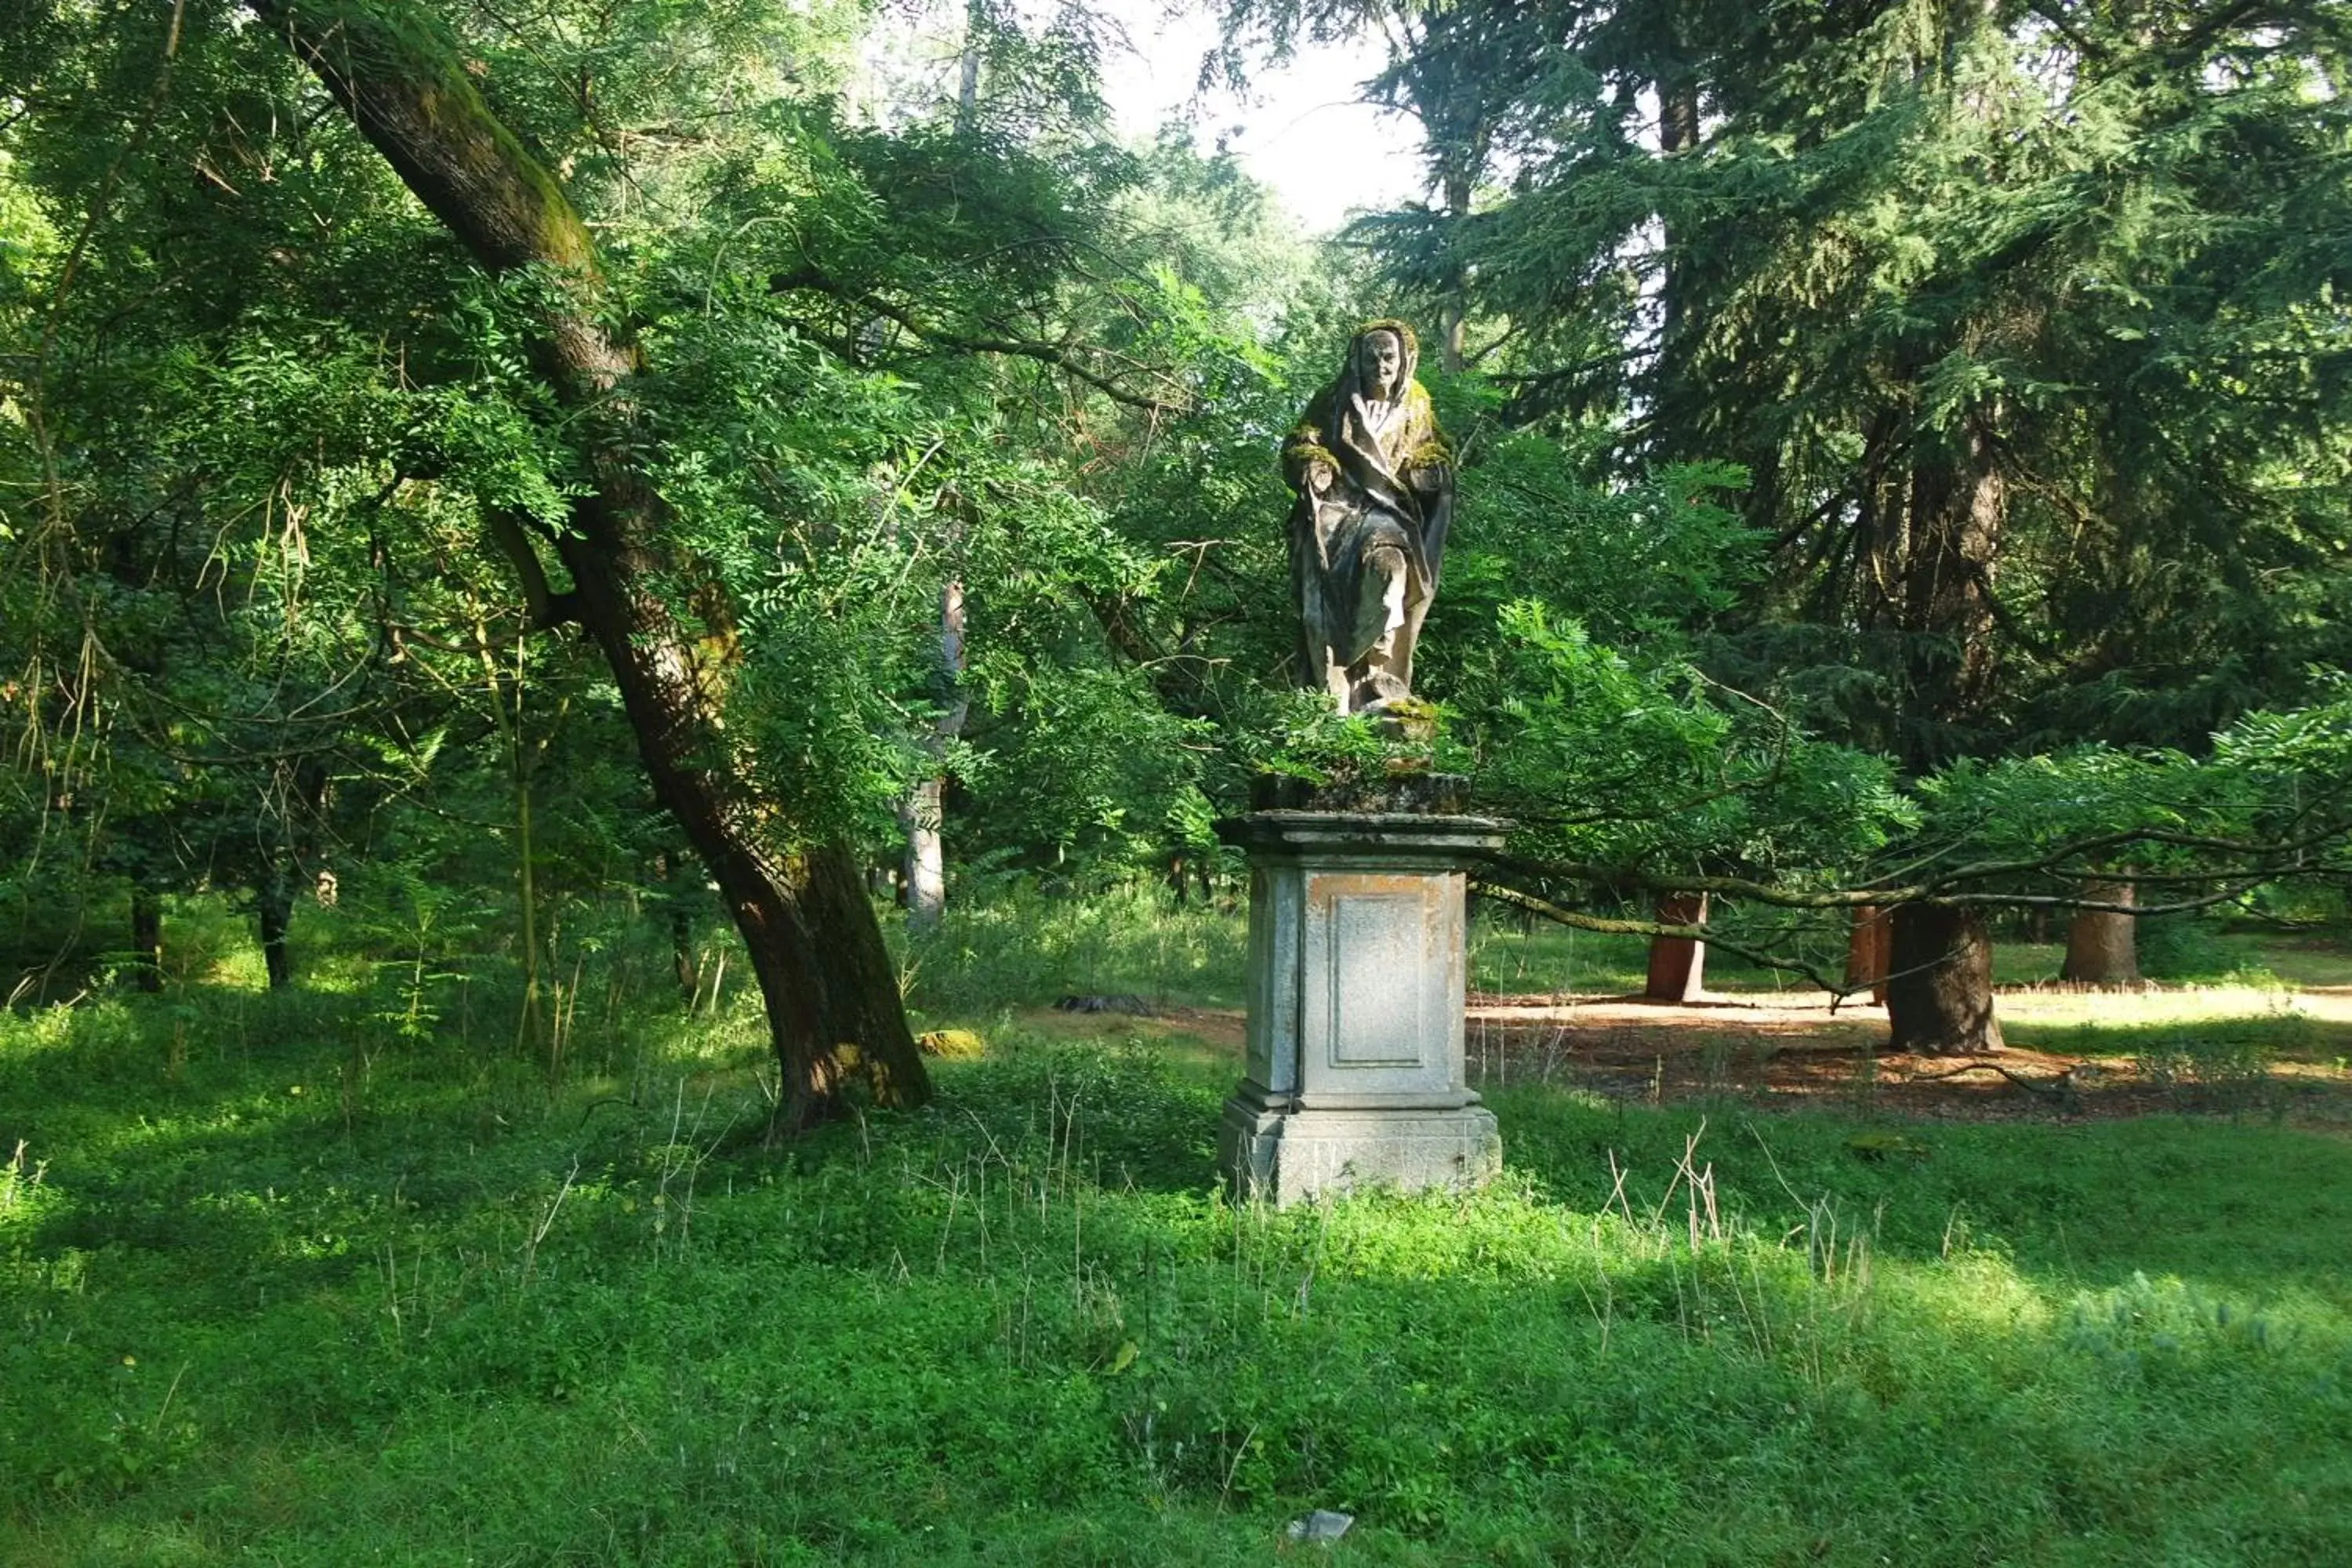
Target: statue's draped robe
1392,486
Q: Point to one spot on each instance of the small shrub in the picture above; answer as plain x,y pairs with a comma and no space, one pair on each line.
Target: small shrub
2183,948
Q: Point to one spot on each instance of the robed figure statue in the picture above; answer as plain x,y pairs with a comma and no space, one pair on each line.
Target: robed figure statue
1375,483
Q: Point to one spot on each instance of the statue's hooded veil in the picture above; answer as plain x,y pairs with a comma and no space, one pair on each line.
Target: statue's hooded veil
1352,385
1361,453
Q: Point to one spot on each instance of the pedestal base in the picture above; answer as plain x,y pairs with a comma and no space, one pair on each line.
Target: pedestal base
1287,1155
1354,1073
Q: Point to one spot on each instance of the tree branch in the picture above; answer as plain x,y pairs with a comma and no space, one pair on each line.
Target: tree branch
1054,354
546,609
1506,894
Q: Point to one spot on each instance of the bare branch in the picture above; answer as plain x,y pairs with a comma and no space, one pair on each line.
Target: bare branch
1503,893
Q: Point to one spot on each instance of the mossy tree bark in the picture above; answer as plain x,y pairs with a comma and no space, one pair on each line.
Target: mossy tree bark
831,992
1939,992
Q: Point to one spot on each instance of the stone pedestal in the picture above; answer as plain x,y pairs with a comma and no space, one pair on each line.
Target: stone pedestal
1356,960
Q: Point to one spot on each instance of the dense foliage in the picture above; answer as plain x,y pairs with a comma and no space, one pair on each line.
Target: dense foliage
557,514
1868,421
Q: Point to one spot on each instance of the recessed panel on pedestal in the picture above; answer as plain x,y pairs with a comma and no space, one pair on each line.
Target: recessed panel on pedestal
1373,946
1381,987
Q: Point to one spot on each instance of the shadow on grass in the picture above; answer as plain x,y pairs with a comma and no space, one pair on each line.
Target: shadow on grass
1021,1325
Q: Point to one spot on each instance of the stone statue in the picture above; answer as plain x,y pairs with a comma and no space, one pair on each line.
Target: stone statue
1375,483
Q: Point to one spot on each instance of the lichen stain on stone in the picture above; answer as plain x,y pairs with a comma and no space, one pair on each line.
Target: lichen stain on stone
1322,891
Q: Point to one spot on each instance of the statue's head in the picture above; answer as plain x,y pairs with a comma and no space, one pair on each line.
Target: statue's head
1379,358
1384,355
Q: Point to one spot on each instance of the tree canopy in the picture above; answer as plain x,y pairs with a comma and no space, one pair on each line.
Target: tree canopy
1904,459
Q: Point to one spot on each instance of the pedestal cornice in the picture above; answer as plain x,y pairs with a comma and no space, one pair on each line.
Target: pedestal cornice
1294,835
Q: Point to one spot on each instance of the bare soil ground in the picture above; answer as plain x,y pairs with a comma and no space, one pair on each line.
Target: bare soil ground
2071,1053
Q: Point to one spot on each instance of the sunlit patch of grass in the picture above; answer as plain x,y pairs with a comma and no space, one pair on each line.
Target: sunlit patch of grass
2027,963
1511,957
2230,1040
1021,948
1208,1045
2308,961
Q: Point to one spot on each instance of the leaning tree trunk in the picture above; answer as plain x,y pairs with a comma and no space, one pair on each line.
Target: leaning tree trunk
2102,945
1940,991
832,996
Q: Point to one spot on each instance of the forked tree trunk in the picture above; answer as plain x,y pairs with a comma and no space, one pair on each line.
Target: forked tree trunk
1677,963
1939,993
146,939
832,996
2102,945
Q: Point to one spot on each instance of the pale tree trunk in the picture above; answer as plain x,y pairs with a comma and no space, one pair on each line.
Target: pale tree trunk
1939,993
924,885
975,25
831,995
921,814
2102,945
1677,963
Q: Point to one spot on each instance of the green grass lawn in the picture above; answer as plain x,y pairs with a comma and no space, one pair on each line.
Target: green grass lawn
281,1286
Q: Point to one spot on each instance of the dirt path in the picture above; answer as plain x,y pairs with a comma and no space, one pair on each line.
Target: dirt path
2071,1052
